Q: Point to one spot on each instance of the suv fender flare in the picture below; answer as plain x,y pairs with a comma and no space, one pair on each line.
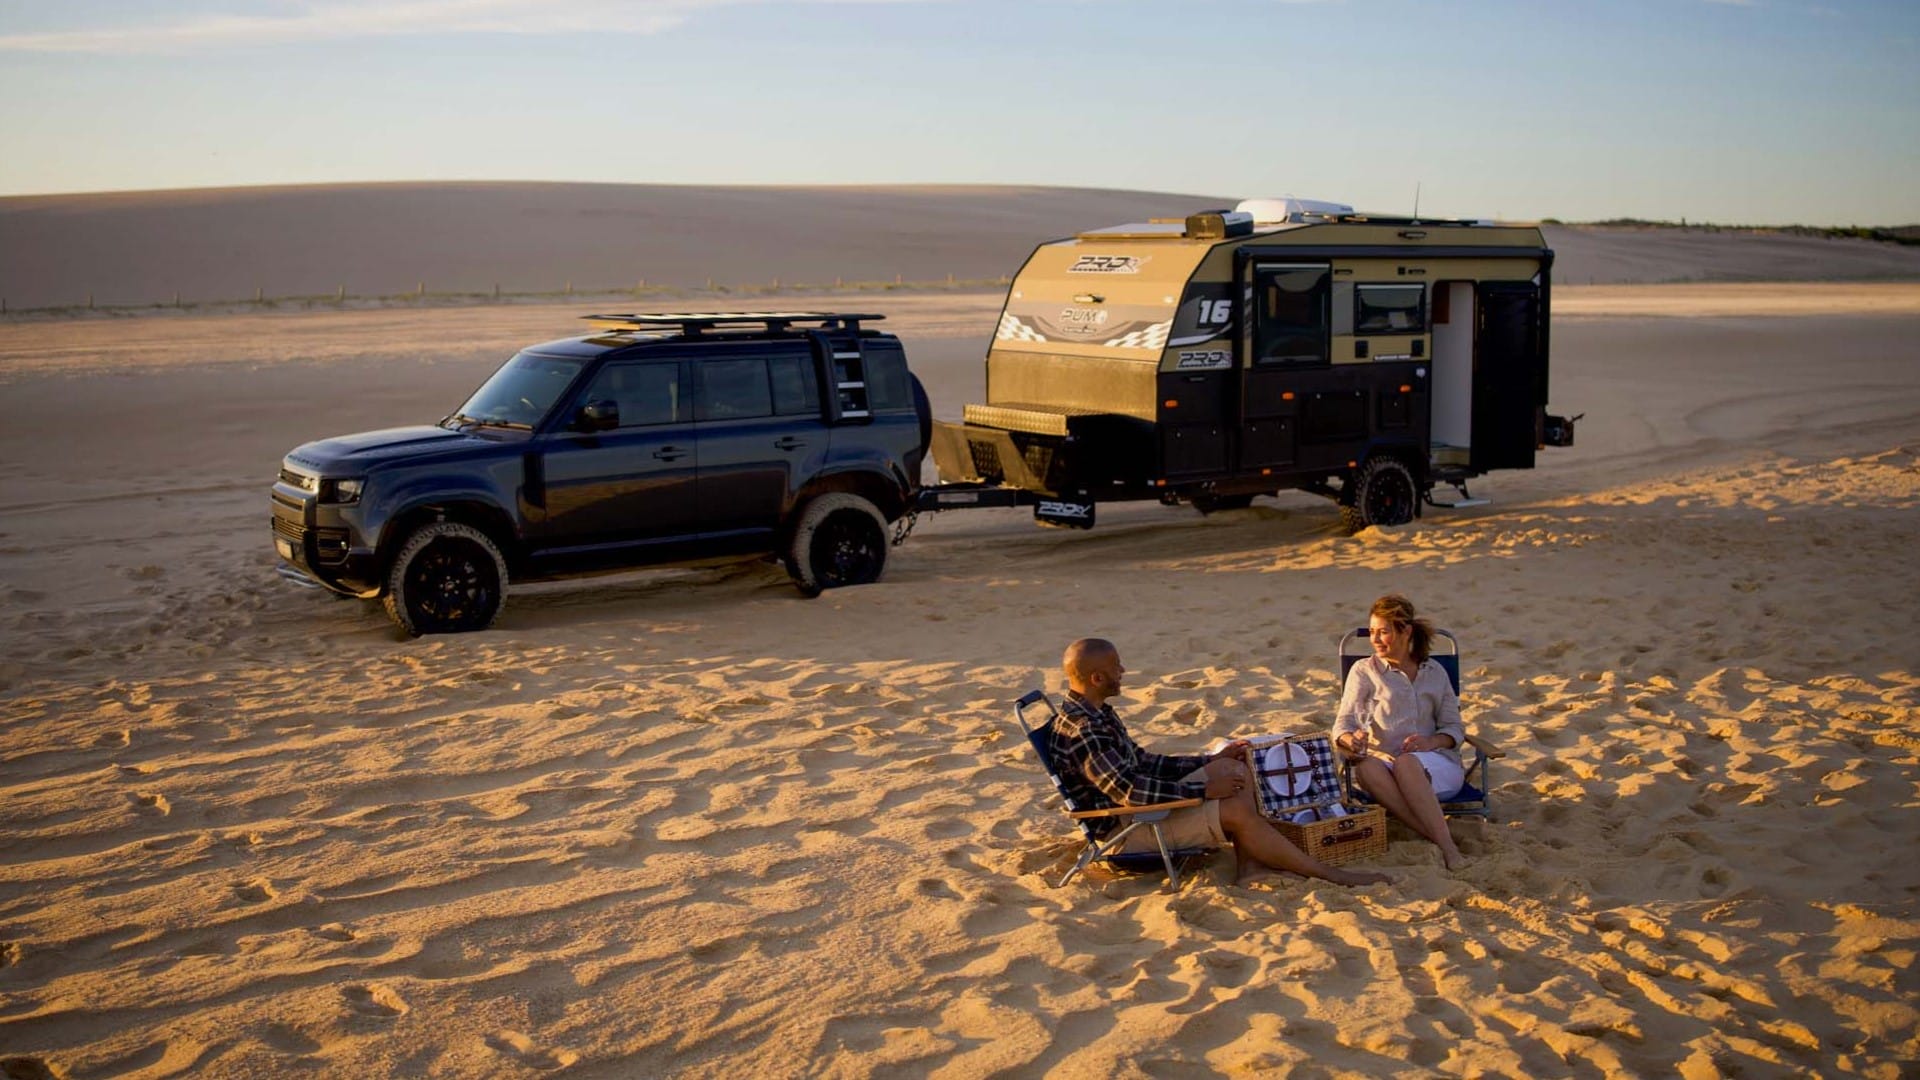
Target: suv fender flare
478,509
884,487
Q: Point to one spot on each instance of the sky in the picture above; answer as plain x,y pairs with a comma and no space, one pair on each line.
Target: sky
1728,111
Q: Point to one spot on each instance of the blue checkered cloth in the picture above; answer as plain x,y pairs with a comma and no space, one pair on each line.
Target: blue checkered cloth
1318,787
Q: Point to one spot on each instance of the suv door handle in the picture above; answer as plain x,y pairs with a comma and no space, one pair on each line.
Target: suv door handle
788,442
669,453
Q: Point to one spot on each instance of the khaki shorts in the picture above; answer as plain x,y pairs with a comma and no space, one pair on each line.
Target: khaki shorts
1187,827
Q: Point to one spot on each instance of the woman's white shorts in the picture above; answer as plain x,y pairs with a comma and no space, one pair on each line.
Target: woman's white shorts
1446,774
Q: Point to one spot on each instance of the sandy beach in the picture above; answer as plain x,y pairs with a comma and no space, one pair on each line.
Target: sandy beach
684,822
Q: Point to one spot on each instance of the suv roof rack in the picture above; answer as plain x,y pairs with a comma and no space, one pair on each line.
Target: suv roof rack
695,323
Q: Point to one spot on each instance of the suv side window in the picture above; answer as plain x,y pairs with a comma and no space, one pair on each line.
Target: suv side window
887,385
796,391
733,389
647,394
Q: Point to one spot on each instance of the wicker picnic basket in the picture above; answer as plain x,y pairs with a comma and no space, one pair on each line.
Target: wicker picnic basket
1303,779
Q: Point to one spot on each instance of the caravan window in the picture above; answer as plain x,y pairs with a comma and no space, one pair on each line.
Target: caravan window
1390,309
1292,327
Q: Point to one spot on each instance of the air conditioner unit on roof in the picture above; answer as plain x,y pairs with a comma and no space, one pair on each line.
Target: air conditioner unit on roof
1289,209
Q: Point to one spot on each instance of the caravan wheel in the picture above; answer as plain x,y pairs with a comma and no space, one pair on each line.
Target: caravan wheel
1380,493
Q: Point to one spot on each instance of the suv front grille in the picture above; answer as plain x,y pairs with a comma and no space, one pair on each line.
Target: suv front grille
288,530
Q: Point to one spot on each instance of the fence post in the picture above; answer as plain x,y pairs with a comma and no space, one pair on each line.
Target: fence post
259,293
569,289
89,301
420,290
340,295
496,290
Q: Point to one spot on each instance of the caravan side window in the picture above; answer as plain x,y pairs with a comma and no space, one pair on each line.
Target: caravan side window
1390,309
1291,303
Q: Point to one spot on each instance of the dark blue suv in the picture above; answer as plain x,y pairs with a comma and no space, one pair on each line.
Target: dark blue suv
660,438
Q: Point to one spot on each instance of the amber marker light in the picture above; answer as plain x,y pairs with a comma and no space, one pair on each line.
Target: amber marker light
1406,389
1172,404
1286,395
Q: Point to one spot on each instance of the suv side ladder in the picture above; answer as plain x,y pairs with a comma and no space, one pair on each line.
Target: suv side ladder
846,372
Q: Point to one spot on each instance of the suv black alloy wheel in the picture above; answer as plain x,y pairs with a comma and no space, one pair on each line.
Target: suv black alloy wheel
447,578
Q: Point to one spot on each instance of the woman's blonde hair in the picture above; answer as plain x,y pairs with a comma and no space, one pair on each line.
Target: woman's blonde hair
1398,610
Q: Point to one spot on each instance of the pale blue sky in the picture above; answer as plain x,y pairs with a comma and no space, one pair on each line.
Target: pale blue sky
1763,111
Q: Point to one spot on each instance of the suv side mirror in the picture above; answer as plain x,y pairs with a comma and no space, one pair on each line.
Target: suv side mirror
599,416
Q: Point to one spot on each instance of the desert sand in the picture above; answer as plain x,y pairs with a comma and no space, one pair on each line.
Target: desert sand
457,240
684,822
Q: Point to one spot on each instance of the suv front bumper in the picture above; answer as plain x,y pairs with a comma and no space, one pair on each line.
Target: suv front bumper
323,542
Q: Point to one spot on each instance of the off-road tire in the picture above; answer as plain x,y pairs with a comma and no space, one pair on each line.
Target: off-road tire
447,578
1382,492
1213,504
838,539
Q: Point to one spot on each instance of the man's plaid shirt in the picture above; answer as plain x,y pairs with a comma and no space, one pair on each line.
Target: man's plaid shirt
1101,766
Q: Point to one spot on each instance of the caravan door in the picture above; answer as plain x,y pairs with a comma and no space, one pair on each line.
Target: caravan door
1287,330
1509,375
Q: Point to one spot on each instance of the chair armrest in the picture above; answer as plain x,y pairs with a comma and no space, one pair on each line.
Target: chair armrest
1120,811
1485,747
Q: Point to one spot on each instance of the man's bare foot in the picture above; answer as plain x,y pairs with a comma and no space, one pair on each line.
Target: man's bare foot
1355,877
1453,859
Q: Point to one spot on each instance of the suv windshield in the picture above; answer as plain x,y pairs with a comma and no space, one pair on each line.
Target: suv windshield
521,392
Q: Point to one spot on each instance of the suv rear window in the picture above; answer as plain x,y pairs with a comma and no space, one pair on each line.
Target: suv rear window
734,389
796,391
887,385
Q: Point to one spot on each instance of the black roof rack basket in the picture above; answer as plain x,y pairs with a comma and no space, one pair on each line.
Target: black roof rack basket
695,323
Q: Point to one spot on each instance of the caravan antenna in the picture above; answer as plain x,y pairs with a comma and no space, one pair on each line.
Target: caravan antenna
1416,200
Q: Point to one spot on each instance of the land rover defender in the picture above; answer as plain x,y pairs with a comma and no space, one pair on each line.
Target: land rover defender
659,438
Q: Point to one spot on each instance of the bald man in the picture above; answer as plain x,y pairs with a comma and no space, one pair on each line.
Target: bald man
1102,766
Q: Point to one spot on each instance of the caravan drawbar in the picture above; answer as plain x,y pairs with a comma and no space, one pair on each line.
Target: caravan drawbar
1235,353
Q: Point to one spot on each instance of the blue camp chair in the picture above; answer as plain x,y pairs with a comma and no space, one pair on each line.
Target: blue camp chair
1471,800
1105,848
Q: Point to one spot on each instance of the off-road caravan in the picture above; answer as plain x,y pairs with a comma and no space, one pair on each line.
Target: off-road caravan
1283,344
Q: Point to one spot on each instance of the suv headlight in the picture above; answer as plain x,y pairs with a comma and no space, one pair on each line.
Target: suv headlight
342,491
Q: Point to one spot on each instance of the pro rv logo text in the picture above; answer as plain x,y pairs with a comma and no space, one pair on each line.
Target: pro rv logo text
1105,264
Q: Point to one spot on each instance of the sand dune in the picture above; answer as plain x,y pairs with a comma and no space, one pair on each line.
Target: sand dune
374,240
685,823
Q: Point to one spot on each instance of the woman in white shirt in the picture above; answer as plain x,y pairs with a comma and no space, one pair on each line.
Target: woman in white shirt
1399,723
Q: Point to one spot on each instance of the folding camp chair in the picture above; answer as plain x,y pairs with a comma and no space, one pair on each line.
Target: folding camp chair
1471,800
1106,848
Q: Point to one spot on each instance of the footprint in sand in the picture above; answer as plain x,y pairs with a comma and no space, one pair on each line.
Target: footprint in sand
518,1046
27,1068
151,803
257,891
375,1000
332,932
291,1041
